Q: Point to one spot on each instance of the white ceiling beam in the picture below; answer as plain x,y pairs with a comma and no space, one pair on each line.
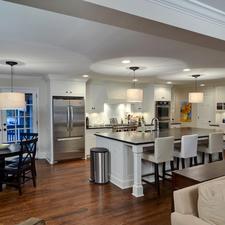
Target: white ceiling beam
89,11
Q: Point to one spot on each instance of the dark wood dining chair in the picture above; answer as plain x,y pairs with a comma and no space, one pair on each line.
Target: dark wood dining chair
28,136
25,137
23,170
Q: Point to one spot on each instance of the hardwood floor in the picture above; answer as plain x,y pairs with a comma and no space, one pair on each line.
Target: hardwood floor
64,196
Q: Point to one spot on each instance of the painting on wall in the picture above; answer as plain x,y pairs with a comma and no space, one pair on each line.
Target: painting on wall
185,111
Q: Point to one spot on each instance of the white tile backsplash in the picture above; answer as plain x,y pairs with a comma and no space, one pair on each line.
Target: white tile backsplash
119,111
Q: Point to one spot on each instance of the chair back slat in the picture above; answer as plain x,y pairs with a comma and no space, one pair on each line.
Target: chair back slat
28,152
28,136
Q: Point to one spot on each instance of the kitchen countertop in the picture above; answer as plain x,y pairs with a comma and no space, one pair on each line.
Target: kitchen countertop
110,126
139,138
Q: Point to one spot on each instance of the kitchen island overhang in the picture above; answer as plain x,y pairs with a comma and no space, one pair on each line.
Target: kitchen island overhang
126,153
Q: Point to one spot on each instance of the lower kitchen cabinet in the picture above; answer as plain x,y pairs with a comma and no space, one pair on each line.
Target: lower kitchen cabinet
90,139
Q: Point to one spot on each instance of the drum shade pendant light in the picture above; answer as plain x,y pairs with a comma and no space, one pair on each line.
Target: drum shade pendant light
12,100
196,97
134,94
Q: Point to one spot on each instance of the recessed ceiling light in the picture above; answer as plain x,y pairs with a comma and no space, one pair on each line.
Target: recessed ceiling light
186,70
202,85
85,76
126,61
135,80
169,82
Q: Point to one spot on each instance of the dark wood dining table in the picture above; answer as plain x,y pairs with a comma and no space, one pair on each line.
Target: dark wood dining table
5,152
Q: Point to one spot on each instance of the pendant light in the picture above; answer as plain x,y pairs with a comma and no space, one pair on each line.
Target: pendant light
134,94
12,100
196,96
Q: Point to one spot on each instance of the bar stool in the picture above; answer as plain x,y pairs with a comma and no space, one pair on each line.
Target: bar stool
188,150
163,152
215,145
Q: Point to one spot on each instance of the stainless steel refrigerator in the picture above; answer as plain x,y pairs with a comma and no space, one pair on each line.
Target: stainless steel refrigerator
68,128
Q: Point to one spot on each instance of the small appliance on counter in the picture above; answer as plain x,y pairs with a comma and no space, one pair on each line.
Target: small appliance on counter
113,121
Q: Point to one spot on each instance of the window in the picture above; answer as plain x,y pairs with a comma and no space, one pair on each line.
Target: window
15,122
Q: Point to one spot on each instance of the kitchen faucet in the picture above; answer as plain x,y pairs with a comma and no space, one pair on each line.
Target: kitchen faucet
155,121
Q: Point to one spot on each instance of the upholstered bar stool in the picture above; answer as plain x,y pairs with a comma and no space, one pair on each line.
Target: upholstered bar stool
215,145
188,150
163,152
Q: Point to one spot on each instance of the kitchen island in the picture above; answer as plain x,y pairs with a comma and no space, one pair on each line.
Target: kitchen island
126,152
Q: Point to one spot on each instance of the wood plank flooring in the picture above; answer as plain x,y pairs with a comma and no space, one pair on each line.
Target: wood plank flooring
64,196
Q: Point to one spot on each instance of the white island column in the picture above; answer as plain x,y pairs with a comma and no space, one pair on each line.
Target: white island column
137,186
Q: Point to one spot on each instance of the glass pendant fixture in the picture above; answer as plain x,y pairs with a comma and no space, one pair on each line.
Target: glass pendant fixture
12,100
134,94
196,96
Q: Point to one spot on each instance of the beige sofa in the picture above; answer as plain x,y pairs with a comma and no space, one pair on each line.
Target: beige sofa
186,206
33,221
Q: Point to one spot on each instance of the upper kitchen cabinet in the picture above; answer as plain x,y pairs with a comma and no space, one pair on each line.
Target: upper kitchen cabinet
116,92
96,97
67,88
137,107
220,94
162,93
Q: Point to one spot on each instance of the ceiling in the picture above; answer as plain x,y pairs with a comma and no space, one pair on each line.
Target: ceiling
218,4
49,43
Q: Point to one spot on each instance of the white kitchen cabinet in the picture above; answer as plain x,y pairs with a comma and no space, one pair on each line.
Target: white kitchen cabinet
137,107
148,104
96,97
90,139
206,109
162,93
220,94
67,88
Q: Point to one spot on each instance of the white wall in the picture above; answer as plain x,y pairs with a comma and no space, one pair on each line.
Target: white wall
43,110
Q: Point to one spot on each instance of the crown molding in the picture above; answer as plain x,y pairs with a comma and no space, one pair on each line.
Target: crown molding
63,77
20,77
191,15
194,9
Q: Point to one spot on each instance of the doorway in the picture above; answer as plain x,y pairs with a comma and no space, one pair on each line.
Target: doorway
14,122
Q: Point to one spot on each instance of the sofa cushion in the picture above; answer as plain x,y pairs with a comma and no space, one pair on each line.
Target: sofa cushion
33,221
211,202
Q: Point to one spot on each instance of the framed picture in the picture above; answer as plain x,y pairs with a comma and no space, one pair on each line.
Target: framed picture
185,111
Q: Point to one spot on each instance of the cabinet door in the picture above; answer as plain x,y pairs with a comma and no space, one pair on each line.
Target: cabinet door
137,107
96,97
220,94
67,88
206,109
162,94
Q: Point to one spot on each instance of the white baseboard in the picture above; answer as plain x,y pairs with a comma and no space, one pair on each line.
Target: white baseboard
121,183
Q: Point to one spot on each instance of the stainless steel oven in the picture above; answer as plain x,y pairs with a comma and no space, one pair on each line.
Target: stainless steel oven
164,124
162,110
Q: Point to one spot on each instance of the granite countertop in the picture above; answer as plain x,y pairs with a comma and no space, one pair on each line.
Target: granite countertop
138,138
100,127
108,126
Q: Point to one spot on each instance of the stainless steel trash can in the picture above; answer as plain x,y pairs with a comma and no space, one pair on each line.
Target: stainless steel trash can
99,168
